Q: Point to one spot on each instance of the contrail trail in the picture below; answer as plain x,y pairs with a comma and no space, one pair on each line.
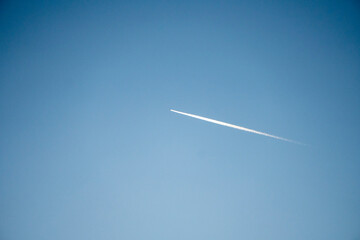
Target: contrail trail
236,127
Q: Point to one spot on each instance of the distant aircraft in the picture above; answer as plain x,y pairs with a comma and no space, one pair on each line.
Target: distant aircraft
234,126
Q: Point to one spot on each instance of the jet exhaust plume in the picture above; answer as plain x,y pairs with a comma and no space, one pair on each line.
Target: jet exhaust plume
236,127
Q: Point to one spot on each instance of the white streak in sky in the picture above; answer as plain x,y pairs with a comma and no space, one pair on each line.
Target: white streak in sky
236,127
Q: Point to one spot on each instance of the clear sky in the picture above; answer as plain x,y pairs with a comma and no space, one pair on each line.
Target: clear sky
90,150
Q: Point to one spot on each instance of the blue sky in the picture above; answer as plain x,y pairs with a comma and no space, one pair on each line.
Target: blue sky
90,150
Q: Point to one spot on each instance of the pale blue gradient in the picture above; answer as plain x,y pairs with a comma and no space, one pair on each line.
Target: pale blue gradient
90,150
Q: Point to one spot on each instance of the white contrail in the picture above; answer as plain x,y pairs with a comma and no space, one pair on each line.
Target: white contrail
234,126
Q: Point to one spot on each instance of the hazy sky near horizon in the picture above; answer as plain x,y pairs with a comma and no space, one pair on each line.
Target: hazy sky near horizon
90,150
